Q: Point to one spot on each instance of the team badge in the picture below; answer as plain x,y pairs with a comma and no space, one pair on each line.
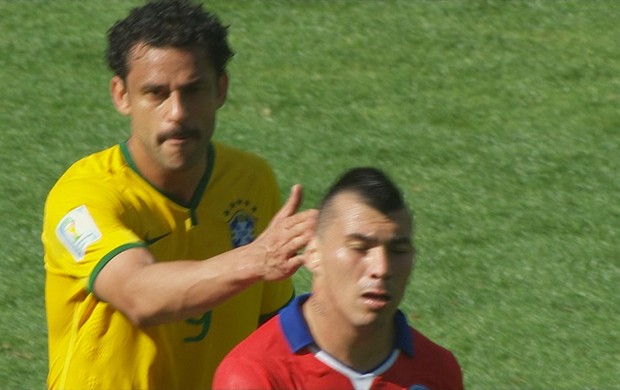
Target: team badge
77,230
241,222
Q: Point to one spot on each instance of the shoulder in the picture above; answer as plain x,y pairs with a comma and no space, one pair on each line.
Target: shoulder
268,337
252,363
106,160
241,373
225,154
243,171
436,357
96,168
96,180
426,347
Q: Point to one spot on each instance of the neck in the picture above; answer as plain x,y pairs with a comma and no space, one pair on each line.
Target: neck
179,183
359,347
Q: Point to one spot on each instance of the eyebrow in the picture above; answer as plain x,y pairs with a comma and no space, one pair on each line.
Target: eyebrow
152,87
149,86
361,237
194,82
366,238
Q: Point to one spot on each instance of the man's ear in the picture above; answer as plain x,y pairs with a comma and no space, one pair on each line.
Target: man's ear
222,89
120,97
312,259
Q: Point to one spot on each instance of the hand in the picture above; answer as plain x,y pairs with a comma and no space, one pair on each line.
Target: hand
285,237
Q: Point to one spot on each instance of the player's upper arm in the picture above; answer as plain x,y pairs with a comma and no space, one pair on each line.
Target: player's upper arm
114,281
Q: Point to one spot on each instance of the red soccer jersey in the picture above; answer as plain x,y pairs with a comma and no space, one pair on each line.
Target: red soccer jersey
282,355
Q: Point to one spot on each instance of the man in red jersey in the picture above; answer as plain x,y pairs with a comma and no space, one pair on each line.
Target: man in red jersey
349,333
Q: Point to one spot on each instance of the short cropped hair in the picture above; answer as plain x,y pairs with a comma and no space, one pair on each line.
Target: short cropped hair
373,187
168,23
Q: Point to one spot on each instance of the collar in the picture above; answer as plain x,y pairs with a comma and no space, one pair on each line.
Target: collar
298,334
200,190
202,185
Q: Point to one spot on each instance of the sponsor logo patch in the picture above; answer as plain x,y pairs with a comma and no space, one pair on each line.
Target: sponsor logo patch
77,230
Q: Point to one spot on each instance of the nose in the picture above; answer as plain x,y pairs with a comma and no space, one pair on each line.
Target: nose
379,264
177,107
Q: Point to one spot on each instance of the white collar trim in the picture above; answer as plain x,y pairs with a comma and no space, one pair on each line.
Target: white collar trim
360,381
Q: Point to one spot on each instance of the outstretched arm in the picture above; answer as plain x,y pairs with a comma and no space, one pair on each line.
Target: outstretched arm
150,292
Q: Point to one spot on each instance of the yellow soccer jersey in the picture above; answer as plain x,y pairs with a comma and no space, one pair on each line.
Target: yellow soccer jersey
102,206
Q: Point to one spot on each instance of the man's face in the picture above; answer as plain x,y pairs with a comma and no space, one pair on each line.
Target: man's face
171,95
364,262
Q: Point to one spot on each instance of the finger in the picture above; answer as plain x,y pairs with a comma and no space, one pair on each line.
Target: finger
301,221
295,245
293,264
296,262
292,203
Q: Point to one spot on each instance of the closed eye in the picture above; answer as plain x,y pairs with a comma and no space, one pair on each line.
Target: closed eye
360,246
403,247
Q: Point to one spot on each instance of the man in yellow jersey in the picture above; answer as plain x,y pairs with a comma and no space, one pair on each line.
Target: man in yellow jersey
164,251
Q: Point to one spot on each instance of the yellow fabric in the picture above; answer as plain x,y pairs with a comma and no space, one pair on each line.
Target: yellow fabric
102,206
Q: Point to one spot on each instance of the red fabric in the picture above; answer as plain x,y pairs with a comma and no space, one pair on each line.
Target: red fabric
265,361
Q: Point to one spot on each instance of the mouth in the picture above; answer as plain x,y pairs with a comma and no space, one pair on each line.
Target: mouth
179,135
376,299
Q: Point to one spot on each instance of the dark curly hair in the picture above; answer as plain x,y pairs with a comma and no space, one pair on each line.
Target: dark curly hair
172,23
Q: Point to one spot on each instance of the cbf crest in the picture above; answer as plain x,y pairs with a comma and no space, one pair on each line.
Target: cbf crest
241,216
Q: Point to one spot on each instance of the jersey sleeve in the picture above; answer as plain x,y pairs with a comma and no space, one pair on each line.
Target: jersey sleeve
84,227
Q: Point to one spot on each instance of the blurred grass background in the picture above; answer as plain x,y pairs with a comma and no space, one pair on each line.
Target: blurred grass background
499,119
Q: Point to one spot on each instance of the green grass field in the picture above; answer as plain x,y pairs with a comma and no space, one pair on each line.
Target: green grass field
499,119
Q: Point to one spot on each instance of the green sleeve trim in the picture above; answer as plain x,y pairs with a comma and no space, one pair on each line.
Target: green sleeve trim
266,317
106,259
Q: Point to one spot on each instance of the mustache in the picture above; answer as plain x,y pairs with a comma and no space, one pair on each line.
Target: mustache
376,286
179,132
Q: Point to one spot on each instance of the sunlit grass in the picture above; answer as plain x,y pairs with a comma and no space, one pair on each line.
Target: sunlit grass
498,119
